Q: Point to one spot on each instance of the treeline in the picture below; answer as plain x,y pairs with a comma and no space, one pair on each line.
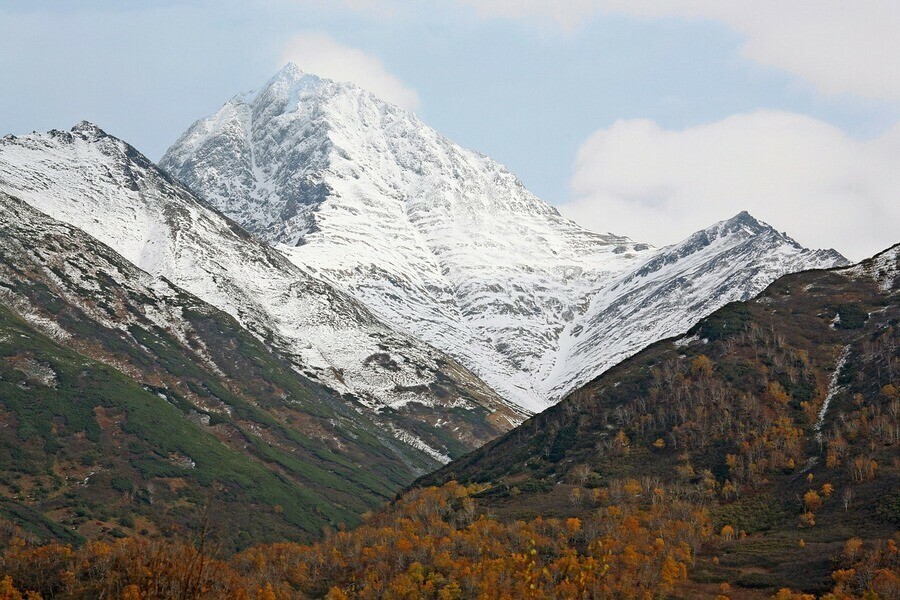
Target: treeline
757,405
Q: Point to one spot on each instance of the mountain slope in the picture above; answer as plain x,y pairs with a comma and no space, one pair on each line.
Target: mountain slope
103,186
131,398
731,260
447,244
750,414
756,453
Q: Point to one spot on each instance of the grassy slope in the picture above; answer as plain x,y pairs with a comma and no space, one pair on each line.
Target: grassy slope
134,451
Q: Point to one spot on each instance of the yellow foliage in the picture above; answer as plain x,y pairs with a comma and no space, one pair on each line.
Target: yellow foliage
8,591
622,441
632,488
266,593
776,393
812,501
427,545
131,592
702,366
787,594
852,549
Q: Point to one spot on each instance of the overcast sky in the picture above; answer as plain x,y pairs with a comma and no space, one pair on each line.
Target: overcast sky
648,118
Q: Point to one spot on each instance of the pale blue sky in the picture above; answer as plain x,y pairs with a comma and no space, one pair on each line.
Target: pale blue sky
518,87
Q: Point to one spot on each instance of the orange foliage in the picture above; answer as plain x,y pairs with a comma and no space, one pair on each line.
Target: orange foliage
130,568
812,501
776,393
786,594
727,532
864,469
702,366
429,544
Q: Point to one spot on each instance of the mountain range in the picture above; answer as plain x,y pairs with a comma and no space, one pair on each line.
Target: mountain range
753,457
313,291
106,256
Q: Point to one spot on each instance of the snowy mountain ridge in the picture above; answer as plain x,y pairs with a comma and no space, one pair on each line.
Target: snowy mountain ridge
106,188
731,260
446,244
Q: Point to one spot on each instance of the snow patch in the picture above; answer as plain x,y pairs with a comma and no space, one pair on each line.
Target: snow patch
833,389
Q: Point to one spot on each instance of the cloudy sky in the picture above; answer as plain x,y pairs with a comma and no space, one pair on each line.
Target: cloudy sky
649,118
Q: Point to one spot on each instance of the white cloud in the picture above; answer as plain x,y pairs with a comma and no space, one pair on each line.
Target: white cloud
320,54
840,46
799,174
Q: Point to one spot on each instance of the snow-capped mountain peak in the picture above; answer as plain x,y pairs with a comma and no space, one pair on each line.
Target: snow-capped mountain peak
440,241
742,228
88,128
734,259
289,72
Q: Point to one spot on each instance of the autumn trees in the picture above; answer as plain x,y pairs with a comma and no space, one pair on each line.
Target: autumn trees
421,548
428,545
